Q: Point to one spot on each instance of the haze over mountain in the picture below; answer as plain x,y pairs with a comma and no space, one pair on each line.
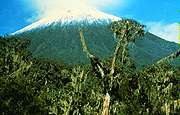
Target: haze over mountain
57,38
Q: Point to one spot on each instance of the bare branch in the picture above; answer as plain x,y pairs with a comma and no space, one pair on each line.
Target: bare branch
170,57
93,58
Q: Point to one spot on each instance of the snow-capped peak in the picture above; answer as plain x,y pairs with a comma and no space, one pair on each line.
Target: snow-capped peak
71,16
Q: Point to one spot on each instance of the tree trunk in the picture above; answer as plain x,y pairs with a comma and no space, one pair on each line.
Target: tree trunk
106,104
123,52
114,58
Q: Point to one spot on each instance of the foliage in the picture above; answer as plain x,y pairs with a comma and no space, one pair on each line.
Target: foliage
34,86
127,29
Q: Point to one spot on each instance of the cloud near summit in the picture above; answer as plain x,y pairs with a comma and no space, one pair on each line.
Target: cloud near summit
51,7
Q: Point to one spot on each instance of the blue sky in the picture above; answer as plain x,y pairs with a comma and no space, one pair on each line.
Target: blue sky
160,16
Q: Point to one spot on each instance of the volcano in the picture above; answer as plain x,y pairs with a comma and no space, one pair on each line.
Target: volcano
57,38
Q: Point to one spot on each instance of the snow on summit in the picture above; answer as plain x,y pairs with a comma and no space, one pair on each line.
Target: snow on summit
71,16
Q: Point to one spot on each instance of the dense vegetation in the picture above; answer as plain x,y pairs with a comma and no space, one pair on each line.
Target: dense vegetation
35,87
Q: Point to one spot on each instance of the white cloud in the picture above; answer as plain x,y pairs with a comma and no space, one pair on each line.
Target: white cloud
105,3
52,7
168,32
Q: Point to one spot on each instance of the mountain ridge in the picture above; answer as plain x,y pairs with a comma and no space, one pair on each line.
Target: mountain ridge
59,40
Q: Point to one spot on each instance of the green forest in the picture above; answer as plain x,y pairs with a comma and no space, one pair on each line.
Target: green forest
32,86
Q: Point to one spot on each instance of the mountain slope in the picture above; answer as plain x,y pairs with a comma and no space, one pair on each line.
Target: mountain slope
57,38
150,48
